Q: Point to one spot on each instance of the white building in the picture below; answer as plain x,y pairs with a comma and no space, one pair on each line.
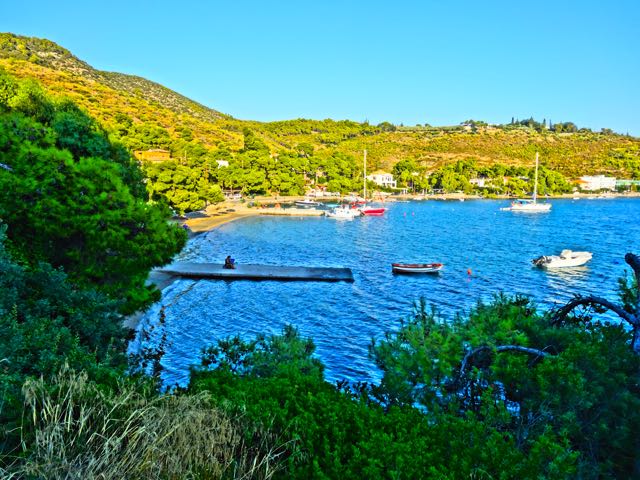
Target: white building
383,179
480,182
597,182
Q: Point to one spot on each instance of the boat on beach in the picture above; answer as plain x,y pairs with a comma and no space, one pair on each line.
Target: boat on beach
416,267
567,258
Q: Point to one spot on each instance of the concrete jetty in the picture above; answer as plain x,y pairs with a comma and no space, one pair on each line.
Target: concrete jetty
256,272
291,212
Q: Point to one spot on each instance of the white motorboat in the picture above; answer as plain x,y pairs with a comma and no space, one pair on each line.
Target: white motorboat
307,202
530,205
567,258
343,212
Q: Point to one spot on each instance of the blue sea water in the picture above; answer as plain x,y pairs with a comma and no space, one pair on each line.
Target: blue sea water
485,251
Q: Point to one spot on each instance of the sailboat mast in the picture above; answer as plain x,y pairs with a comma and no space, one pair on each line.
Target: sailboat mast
365,174
535,182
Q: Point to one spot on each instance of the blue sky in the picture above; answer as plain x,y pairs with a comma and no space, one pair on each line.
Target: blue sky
405,61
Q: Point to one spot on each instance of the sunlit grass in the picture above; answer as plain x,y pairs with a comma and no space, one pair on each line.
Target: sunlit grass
74,429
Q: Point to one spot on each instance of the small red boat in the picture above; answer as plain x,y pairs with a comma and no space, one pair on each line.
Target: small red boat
377,212
416,267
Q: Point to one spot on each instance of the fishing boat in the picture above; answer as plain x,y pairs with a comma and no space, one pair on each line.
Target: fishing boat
567,258
416,267
373,212
343,212
530,205
306,203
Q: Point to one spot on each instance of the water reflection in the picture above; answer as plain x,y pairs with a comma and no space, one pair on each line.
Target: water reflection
567,276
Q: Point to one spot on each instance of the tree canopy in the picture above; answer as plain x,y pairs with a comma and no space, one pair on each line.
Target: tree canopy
72,198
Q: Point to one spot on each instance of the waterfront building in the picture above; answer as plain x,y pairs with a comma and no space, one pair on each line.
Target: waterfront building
383,179
594,183
480,182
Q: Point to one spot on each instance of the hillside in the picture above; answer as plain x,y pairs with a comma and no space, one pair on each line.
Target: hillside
50,55
143,114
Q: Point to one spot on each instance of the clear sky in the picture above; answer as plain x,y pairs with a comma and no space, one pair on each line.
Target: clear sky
410,62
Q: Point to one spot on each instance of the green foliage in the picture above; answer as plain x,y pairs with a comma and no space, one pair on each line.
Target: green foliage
66,206
146,136
45,323
499,179
628,288
577,394
73,201
30,100
146,115
253,144
331,432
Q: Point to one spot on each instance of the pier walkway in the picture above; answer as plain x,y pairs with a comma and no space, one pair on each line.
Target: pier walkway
256,272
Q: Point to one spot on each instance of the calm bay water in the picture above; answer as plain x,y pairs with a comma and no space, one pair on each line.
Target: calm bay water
497,247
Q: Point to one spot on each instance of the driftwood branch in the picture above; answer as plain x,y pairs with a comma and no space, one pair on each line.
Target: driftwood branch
501,348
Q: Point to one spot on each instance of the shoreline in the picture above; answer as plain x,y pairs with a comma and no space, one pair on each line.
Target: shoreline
228,211
225,212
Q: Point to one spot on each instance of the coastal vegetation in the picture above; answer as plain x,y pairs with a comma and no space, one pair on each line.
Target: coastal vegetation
285,157
504,391
75,200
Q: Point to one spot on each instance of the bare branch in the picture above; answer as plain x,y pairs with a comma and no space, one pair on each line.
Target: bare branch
590,300
498,349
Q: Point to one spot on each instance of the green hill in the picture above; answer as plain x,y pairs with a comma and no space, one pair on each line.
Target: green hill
144,115
51,56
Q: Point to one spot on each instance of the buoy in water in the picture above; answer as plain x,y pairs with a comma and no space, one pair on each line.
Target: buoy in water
469,271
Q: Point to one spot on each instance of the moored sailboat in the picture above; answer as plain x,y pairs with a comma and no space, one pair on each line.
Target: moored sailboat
530,205
367,210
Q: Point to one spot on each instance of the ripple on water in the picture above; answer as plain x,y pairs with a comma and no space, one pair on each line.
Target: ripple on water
496,247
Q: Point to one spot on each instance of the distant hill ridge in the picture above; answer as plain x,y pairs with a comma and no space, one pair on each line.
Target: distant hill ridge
144,115
49,54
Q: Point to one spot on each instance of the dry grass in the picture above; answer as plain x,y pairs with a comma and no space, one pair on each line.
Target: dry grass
82,432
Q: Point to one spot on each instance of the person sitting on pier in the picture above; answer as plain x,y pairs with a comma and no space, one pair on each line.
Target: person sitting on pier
229,262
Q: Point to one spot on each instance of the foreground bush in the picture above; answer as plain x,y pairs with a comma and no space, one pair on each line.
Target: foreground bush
331,432
575,382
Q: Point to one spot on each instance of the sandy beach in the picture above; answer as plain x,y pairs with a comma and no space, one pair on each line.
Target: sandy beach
228,211
219,215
